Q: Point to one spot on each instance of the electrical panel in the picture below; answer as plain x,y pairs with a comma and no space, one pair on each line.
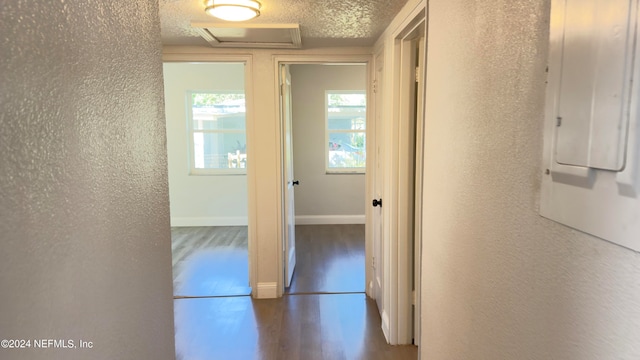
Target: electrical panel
592,111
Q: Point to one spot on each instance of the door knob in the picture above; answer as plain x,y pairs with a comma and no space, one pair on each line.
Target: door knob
377,202
295,182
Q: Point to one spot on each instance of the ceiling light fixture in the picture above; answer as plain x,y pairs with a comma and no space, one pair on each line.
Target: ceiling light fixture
233,10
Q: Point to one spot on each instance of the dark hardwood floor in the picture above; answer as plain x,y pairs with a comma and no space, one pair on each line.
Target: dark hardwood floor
327,326
210,261
213,261
324,314
330,259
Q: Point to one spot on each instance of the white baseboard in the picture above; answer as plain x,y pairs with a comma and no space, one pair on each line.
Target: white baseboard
210,221
329,219
385,326
242,221
267,290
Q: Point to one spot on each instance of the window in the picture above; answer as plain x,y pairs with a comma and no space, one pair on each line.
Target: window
217,132
346,131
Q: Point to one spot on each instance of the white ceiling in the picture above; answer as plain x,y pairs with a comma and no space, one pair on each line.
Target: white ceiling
323,23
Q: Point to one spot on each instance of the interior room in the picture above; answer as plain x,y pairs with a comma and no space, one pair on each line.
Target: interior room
207,161
523,181
330,199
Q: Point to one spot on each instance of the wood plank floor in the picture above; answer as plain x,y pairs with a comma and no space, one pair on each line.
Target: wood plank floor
213,261
330,259
210,261
331,327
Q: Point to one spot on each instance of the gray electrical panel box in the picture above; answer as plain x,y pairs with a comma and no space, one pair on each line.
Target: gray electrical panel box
592,111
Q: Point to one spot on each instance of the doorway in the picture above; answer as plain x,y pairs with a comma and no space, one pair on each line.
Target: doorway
328,113
399,83
409,53
328,107
207,165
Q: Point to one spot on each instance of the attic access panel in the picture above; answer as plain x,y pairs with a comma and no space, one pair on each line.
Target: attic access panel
272,36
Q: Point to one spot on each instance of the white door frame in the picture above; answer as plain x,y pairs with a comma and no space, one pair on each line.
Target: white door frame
398,250
250,118
282,183
419,182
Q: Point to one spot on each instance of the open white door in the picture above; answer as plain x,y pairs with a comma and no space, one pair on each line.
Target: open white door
289,206
378,173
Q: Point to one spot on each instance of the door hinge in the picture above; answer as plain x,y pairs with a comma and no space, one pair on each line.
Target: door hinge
417,74
375,86
373,262
559,121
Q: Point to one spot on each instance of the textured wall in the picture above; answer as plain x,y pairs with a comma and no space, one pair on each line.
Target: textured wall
84,213
499,281
320,193
197,199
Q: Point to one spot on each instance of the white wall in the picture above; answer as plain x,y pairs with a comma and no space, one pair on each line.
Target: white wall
200,200
499,281
322,197
84,213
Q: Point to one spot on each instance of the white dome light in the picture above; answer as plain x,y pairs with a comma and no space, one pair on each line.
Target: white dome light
233,10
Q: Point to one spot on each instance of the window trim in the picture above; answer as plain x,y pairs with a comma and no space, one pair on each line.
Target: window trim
342,170
193,171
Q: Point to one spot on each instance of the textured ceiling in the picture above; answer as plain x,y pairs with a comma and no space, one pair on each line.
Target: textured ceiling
323,23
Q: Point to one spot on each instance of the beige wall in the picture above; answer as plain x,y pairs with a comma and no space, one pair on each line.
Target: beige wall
499,281
200,200
84,213
321,194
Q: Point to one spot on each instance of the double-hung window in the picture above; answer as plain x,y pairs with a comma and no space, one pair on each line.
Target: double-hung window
217,132
345,131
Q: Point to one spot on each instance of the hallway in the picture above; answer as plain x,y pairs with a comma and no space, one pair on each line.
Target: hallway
324,315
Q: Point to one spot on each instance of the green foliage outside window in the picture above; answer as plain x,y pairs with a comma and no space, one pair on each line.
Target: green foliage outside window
210,99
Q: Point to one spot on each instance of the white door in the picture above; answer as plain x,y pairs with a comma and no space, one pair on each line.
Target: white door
378,172
289,208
